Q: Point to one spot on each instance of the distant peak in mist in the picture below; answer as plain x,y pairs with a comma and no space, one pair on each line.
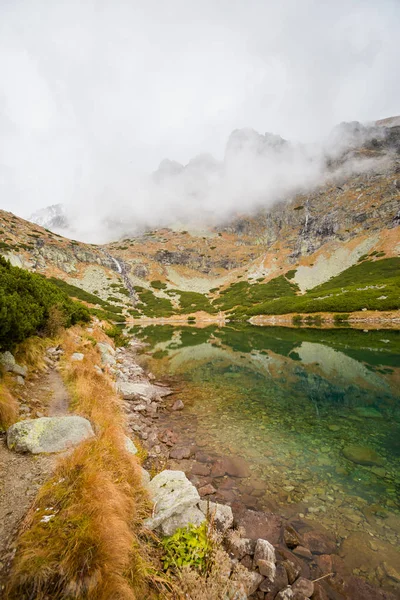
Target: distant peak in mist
257,171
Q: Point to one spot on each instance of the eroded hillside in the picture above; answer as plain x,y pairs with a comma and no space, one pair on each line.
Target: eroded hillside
289,250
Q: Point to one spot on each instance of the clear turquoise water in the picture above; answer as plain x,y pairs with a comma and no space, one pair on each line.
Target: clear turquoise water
294,403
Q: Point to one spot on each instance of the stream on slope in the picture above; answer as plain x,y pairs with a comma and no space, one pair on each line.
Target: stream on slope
316,415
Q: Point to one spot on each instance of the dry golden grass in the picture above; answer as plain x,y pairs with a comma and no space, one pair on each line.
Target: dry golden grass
91,547
8,406
31,353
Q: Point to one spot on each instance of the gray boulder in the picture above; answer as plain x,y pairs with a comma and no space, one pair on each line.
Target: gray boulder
220,514
173,494
264,559
8,363
48,434
190,516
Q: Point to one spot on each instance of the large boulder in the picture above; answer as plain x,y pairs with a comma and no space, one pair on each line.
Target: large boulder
48,434
220,514
362,455
190,516
8,362
175,502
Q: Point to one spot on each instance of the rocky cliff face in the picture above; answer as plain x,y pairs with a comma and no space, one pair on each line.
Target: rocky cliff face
356,209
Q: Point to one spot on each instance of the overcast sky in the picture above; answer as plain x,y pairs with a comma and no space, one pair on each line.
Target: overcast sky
92,92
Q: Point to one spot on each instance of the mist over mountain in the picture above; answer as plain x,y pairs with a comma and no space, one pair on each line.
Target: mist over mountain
257,171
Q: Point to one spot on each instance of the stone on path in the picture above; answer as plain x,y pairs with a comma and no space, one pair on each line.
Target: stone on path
173,495
48,434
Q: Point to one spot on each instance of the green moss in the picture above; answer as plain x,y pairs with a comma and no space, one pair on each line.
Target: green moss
158,285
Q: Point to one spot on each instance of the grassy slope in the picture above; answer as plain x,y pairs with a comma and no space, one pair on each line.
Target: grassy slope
371,284
74,554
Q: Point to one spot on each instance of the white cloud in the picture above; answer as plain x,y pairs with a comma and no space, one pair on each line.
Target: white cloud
93,94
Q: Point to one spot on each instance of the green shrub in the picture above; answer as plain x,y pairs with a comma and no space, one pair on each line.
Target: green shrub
28,302
117,335
290,274
188,547
158,285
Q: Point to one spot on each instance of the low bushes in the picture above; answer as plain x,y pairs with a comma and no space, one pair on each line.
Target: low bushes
372,285
27,301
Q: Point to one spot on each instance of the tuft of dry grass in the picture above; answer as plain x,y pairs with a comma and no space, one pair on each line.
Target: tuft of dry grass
31,353
83,538
8,406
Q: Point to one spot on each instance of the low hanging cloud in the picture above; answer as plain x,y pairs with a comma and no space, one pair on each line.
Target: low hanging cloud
93,96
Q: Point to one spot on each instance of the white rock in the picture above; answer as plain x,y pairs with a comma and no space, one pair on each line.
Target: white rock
285,594
172,494
130,446
78,356
143,389
145,477
220,514
264,558
48,434
106,348
190,516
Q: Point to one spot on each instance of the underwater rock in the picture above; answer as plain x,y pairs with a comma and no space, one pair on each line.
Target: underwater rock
368,412
319,543
362,455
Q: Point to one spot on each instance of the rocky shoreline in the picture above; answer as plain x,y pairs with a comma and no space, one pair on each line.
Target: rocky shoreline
305,561
366,319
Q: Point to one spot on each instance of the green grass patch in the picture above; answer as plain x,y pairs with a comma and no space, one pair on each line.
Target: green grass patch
374,285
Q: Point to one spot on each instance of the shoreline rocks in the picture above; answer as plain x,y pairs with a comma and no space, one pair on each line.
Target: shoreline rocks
302,553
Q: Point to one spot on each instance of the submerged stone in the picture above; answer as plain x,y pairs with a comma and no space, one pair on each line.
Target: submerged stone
368,412
362,455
